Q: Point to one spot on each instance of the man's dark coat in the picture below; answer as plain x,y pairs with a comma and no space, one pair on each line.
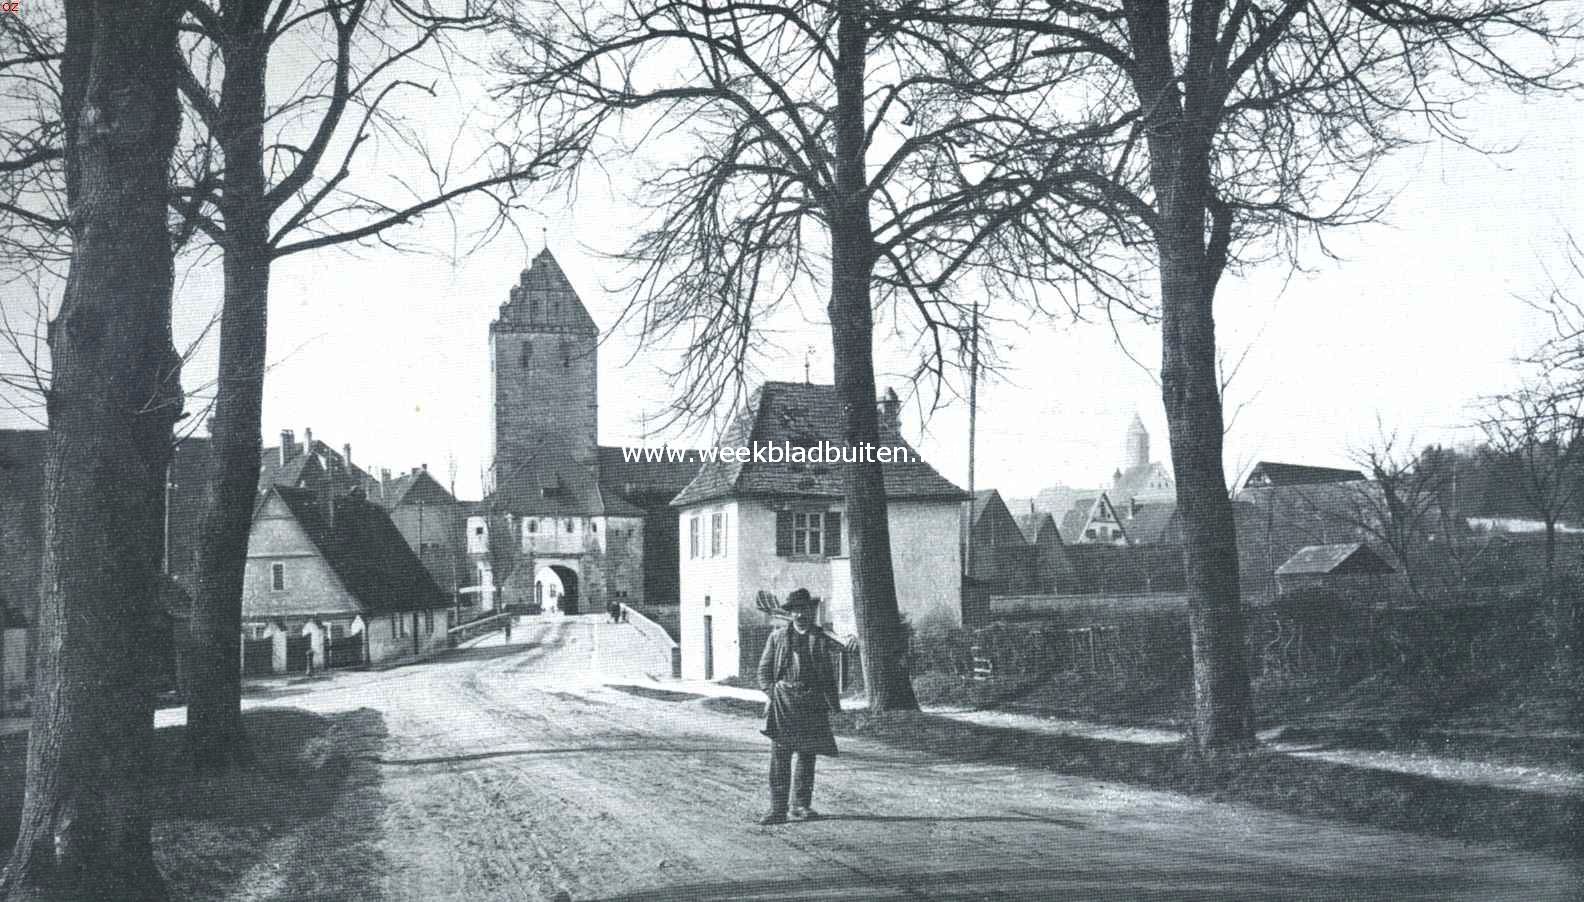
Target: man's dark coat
798,715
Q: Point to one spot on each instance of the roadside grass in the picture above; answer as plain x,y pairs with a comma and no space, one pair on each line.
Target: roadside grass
302,823
1533,722
1279,782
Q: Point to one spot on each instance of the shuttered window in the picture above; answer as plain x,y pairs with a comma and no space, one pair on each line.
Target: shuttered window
833,534
783,534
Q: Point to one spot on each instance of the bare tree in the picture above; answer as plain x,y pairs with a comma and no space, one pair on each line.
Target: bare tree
113,398
1537,432
278,189
1399,506
836,145
1256,123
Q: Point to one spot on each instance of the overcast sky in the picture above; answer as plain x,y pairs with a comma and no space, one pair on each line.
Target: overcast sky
389,351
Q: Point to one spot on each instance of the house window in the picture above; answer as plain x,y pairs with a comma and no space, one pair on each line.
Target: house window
478,530
401,626
717,535
806,532
429,623
1089,534
693,538
533,525
569,525
277,577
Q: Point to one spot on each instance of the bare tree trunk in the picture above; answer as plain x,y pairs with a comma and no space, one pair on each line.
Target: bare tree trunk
214,712
1192,257
84,831
1223,707
883,642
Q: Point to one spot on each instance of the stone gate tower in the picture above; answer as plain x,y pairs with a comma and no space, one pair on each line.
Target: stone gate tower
544,393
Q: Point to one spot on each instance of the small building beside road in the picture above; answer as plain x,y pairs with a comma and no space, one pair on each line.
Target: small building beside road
332,581
753,526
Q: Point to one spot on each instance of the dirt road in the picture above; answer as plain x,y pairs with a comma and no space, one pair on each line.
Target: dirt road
507,773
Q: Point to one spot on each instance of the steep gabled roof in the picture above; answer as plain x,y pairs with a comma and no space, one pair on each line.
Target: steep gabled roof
1349,559
981,501
366,551
414,487
642,478
1076,517
1036,524
1267,473
544,300
800,414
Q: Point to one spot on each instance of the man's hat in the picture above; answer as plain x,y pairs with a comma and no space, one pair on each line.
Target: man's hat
799,598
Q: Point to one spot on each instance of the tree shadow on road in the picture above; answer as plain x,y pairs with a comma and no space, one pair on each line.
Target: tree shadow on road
1073,880
1269,779
1018,818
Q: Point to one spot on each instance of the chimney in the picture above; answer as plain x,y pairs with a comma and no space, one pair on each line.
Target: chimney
288,448
346,452
890,410
307,441
414,472
426,468
385,474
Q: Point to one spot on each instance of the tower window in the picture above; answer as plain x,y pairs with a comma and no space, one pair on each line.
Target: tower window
527,354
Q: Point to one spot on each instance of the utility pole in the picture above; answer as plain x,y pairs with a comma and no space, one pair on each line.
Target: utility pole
973,415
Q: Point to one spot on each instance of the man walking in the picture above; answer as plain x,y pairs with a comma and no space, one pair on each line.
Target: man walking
797,676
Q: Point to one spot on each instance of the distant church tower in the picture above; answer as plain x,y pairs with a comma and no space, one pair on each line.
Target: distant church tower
544,393
1135,448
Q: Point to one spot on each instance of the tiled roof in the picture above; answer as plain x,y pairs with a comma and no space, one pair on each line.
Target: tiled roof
366,551
1034,524
804,414
1149,523
1344,559
1076,517
554,483
636,478
981,501
1267,473
415,486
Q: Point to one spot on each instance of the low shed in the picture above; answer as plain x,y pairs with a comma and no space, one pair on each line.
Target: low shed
1350,565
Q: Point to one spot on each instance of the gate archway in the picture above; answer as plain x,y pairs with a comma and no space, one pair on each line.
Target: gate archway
556,586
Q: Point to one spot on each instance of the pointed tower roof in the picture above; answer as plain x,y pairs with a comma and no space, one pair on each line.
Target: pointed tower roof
544,300
1137,426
